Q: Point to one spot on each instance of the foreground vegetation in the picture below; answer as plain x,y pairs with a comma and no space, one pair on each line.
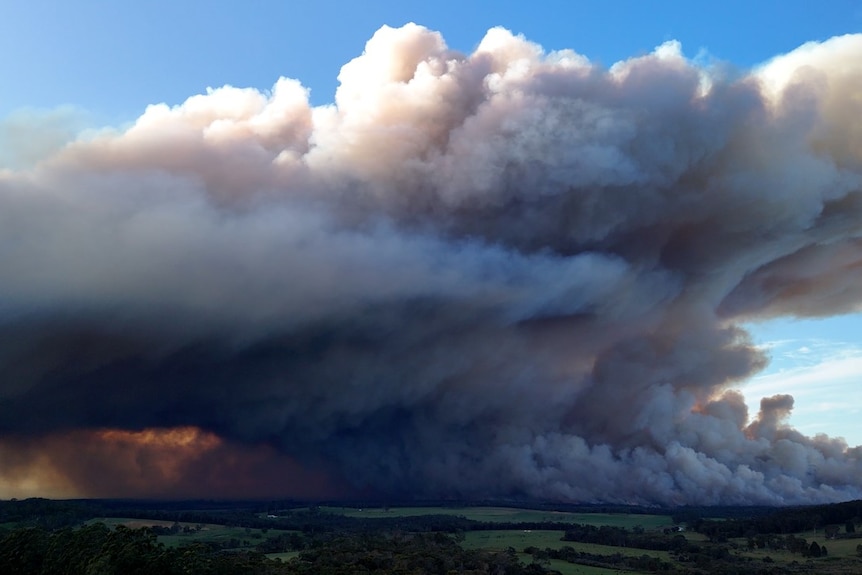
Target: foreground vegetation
98,549
42,537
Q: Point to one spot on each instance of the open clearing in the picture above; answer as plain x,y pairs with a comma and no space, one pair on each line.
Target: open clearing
518,540
284,556
232,537
837,548
510,514
497,539
566,568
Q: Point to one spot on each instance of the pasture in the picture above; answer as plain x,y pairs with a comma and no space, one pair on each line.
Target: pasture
566,568
222,535
837,549
520,539
510,514
284,556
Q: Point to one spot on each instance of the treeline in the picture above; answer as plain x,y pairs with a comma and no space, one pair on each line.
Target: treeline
434,554
714,560
50,514
280,541
838,516
96,549
615,561
550,506
44,513
620,537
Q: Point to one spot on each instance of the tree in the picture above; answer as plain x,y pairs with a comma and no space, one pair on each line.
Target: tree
850,527
23,551
814,550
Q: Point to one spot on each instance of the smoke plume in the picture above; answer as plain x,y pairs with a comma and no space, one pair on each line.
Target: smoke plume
509,273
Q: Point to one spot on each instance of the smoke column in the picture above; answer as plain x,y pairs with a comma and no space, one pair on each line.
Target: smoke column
509,273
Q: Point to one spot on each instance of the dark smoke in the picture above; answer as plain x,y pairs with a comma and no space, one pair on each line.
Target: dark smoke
507,273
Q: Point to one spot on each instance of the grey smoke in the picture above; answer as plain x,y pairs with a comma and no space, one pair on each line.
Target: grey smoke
494,274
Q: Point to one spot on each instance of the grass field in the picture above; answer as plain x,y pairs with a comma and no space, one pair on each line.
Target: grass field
562,566
518,540
693,536
510,514
838,548
503,539
566,568
113,522
831,564
285,556
209,533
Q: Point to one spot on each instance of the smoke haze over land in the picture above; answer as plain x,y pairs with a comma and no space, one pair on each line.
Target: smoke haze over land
509,273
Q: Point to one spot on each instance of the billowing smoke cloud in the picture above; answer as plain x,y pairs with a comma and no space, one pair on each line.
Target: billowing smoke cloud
508,273
169,463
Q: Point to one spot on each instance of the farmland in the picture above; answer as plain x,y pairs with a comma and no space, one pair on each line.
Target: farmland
222,536
519,540
276,537
566,568
509,515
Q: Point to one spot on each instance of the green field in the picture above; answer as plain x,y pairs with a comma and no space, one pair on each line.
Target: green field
518,540
208,533
694,536
838,549
563,567
510,514
566,568
284,556
130,522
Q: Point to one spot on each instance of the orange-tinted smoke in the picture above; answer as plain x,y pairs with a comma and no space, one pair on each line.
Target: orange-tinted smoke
152,463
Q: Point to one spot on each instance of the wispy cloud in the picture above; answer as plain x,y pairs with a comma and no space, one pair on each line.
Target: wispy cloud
824,376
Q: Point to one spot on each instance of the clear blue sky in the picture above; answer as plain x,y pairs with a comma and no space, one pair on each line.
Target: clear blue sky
111,58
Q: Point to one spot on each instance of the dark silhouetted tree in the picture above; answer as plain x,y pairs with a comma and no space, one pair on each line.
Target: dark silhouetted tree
814,550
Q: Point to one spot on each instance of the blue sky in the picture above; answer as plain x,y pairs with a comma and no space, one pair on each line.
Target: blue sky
819,363
104,61
112,59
